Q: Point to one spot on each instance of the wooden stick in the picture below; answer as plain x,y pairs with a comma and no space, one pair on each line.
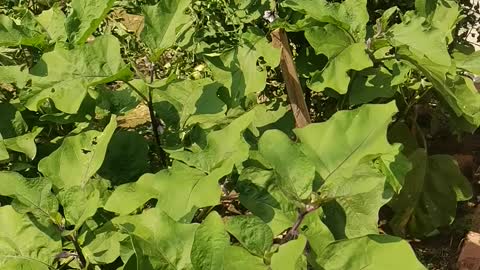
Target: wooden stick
290,76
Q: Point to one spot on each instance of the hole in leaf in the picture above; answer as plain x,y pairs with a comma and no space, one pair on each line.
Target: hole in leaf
85,151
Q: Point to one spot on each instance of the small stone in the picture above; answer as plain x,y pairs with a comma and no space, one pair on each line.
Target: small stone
469,258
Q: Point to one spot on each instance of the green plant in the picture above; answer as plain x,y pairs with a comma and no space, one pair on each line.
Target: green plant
221,179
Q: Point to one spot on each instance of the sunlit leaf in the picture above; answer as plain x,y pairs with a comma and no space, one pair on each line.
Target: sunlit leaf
78,158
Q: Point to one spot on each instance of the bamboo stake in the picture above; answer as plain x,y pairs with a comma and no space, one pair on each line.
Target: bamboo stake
290,76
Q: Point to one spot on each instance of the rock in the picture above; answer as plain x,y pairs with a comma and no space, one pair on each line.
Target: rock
469,258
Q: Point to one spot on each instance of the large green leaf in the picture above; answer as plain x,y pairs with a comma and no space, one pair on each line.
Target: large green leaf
30,195
163,22
237,69
429,197
347,138
155,241
350,15
295,173
78,158
85,17
336,74
210,243
193,101
180,191
251,232
373,252
225,147
26,33
358,190
290,255
422,41
64,75
23,245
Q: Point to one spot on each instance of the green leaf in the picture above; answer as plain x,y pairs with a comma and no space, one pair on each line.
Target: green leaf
26,33
358,141
421,41
225,147
371,84
12,121
335,74
24,143
53,21
357,215
350,15
238,258
458,92
104,248
209,245
329,40
78,158
162,24
74,213
340,186
373,252
23,245
85,17
64,75
126,157
290,255
429,197
149,247
3,151
237,69
14,75
425,8
180,191
251,232
395,166
30,195
355,135
318,235
295,173
193,102
447,15
260,195
469,62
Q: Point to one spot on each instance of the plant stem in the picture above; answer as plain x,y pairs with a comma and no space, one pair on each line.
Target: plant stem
155,121
294,231
81,257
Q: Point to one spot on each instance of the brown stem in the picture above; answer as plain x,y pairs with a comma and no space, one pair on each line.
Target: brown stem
290,76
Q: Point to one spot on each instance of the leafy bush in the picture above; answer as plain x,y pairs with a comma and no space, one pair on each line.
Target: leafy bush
220,178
